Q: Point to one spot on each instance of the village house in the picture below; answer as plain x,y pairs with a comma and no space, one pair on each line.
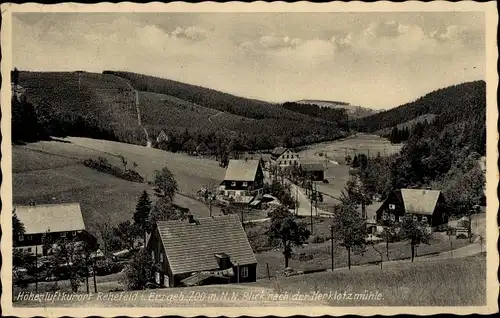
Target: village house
284,157
202,251
316,171
424,205
51,222
244,178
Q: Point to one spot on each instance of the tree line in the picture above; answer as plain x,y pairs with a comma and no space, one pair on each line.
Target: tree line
337,115
59,109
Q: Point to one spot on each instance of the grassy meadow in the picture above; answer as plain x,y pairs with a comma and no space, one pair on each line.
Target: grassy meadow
51,172
451,282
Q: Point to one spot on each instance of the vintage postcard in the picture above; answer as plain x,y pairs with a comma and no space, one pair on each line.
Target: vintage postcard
249,159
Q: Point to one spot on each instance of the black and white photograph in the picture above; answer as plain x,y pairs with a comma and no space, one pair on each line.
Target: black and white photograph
163,158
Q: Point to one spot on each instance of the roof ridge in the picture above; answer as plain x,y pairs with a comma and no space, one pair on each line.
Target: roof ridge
45,204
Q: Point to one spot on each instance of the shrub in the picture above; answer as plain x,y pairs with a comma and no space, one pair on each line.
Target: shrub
102,164
139,271
107,267
316,239
442,228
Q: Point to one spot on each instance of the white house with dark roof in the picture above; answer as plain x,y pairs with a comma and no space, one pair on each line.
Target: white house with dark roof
244,178
50,222
202,251
284,157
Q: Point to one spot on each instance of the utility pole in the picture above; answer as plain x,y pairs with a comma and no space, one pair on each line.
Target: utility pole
331,238
312,195
36,269
93,270
296,200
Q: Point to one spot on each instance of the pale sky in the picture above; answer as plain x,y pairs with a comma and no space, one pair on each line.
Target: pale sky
377,60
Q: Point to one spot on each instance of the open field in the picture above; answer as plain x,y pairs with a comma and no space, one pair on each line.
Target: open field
357,144
51,172
450,282
321,257
332,155
424,283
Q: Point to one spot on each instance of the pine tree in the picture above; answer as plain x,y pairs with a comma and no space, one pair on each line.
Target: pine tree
141,214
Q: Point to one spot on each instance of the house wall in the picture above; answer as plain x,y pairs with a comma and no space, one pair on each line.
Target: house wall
288,158
398,210
251,270
252,274
316,175
157,252
35,242
440,215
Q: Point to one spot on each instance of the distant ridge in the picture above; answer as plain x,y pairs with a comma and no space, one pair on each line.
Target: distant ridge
352,110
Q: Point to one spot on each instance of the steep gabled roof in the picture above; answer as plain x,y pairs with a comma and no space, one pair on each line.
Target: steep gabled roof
51,217
278,151
420,201
191,247
312,167
242,170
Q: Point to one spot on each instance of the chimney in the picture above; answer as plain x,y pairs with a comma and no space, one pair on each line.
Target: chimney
191,218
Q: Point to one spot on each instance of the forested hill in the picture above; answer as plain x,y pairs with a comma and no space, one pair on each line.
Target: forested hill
443,154
106,106
250,108
450,104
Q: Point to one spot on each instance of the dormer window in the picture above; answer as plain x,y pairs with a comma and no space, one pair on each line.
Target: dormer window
233,184
21,238
63,234
415,218
424,219
245,184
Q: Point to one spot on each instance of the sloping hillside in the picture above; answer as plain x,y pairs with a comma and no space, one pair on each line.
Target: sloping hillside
450,104
352,110
408,124
52,172
103,106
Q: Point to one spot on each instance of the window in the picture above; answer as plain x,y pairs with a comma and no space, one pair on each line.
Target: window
245,184
29,237
392,207
153,255
63,234
400,219
161,257
424,219
393,217
21,238
29,249
384,216
233,184
244,272
415,218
